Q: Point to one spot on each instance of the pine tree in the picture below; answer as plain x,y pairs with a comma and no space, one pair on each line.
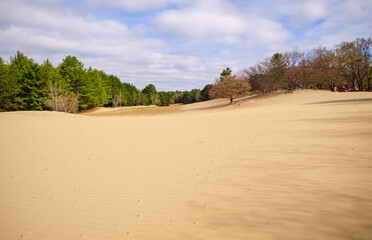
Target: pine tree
31,88
72,73
8,89
94,91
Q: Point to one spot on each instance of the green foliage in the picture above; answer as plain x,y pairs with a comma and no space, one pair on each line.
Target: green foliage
25,85
205,92
225,72
8,89
149,89
54,86
72,72
277,70
165,98
127,99
31,88
130,88
195,96
140,98
151,96
93,90
47,73
186,97
115,90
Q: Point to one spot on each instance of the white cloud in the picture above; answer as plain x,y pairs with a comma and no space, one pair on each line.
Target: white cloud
134,6
198,24
219,18
49,32
240,39
179,47
344,21
200,20
314,9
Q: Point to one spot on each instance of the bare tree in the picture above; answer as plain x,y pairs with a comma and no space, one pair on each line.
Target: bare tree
364,65
292,60
267,75
55,90
354,61
58,99
257,76
154,98
230,87
116,100
323,67
69,102
305,72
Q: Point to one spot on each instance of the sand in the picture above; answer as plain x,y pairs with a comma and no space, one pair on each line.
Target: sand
291,166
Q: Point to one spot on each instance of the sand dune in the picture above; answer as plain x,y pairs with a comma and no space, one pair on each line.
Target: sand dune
292,166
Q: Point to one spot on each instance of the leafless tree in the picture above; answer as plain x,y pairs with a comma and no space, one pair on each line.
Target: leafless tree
258,76
354,61
292,60
323,67
58,99
154,98
363,49
69,102
55,91
116,100
265,76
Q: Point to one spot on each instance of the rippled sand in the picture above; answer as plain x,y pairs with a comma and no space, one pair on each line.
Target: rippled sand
292,166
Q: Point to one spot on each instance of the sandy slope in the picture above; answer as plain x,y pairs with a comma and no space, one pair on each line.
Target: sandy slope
293,166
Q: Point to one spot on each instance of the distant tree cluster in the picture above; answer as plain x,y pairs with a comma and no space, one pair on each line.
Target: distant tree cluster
350,63
69,87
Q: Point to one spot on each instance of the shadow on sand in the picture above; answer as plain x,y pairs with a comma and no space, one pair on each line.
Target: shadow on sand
342,101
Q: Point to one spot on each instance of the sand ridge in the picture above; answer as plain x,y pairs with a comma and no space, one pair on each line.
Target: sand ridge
292,166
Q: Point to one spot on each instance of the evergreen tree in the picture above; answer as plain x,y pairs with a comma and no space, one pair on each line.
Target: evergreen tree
165,98
72,73
31,88
205,92
129,94
151,94
115,91
195,96
48,73
8,89
126,97
277,70
94,91
225,72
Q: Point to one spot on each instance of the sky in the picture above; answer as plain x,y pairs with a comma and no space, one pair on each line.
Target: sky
175,44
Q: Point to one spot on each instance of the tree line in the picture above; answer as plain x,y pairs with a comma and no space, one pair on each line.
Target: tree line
348,65
69,87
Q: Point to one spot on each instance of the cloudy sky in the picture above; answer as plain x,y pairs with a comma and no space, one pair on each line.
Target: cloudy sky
175,44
